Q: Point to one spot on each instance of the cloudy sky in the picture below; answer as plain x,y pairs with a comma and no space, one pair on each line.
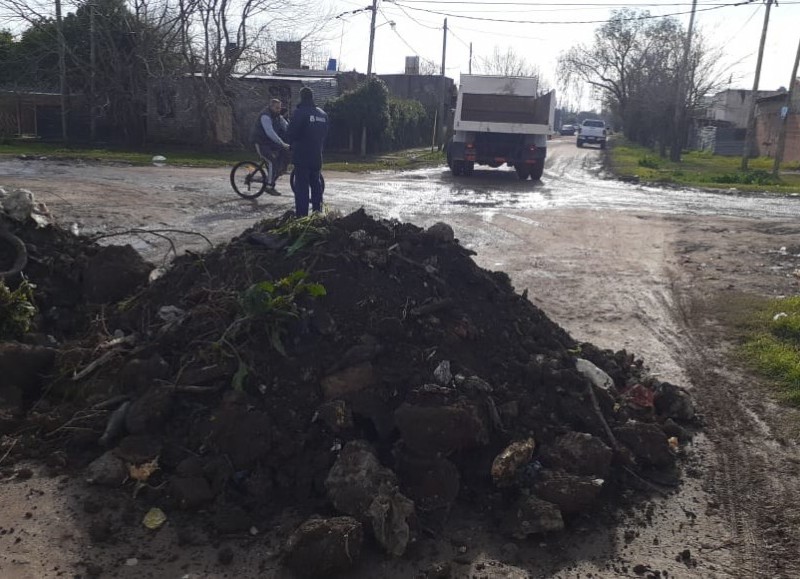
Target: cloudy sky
541,29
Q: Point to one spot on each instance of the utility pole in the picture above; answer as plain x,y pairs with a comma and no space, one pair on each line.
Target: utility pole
93,71
680,96
369,69
372,36
751,115
442,114
470,58
62,71
784,118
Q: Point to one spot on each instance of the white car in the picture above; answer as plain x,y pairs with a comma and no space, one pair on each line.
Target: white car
592,131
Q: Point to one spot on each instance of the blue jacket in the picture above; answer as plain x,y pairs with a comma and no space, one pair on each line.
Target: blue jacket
307,135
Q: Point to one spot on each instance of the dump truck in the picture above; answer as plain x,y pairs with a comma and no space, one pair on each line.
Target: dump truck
501,120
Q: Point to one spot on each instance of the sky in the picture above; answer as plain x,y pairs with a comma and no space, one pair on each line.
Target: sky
543,29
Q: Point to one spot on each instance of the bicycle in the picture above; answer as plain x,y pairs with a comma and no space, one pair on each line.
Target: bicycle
250,179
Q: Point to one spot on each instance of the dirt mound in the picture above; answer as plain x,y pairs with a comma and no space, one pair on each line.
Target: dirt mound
361,369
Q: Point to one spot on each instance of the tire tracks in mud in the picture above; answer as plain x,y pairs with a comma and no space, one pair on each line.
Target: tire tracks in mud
747,464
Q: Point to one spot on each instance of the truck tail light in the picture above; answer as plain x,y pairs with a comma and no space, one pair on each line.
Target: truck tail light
470,145
532,147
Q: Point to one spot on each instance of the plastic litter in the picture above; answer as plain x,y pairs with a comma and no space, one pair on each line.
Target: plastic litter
154,518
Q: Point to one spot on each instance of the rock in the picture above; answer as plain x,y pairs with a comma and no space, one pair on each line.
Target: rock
597,376
336,415
530,516
441,232
190,467
674,402
323,547
578,453
647,442
348,381
191,492
505,465
432,483
107,470
23,366
114,272
359,486
429,430
441,570
138,449
572,493
442,373
148,413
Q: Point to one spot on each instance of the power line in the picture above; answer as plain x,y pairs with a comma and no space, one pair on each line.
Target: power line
517,21
450,30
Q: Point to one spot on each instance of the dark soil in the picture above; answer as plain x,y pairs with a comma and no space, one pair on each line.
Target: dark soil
243,400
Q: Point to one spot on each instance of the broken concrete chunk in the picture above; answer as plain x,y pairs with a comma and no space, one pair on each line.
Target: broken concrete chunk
572,493
107,470
389,515
324,547
429,430
443,374
597,376
355,478
647,442
578,453
348,381
515,455
359,486
531,516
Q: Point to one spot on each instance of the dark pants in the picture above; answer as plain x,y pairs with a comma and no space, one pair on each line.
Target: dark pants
307,177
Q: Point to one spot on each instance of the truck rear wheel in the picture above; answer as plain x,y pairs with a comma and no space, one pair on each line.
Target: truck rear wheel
457,168
469,168
537,170
523,172
580,143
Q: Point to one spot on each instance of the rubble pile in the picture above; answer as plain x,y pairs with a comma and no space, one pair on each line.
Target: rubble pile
366,373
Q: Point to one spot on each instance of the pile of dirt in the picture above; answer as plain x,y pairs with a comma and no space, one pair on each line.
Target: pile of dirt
366,373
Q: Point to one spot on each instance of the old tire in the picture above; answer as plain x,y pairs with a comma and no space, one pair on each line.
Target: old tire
21,259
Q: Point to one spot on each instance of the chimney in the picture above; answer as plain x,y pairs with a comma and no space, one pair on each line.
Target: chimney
288,53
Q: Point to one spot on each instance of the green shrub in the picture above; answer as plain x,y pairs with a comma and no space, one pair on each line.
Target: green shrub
757,177
16,310
649,162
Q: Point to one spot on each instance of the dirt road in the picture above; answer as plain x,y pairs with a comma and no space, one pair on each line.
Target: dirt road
622,266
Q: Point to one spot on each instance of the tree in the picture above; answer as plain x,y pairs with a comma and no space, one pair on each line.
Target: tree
634,63
365,107
510,63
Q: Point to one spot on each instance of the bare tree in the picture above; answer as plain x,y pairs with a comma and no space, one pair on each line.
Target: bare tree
510,63
634,63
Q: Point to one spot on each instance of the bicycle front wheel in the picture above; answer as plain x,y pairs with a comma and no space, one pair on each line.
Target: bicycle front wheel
248,179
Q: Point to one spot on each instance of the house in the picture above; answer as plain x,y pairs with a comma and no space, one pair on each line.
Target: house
720,125
770,112
173,115
37,114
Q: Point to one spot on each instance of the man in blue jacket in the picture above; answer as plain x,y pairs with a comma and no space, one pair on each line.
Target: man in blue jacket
306,136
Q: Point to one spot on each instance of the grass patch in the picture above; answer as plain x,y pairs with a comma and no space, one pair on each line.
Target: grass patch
698,169
410,159
772,344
